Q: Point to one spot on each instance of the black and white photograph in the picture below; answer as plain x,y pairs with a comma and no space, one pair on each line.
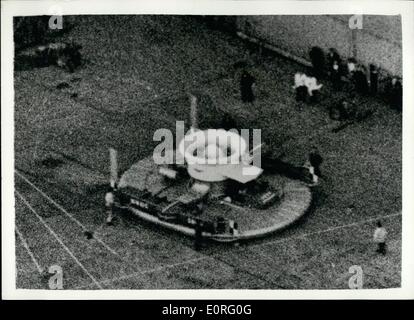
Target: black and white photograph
156,149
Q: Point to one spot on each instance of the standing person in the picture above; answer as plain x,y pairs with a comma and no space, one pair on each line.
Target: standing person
336,75
228,122
247,83
315,159
313,88
317,57
310,177
351,67
109,206
332,57
380,237
396,94
360,79
373,72
300,87
198,240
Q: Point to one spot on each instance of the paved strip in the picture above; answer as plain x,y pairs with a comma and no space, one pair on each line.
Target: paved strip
132,275
26,246
66,212
108,281
60,241
207,257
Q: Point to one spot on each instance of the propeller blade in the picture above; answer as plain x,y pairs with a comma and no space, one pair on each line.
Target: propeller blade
113,160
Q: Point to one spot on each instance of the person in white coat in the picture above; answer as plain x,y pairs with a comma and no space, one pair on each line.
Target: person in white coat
313,87
300,87
109,206
380,238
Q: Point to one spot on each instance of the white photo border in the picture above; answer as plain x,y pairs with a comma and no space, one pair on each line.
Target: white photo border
225,7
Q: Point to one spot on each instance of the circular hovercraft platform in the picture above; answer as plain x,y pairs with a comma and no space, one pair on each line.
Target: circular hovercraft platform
151,196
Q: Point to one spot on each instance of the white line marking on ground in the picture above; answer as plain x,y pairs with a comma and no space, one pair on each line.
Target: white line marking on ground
134,274
26,246
131,275
66,212
327,230
204,257
60,241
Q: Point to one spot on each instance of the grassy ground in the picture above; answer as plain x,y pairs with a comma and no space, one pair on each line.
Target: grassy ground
135,80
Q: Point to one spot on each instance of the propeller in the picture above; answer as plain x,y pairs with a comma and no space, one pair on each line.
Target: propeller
113,160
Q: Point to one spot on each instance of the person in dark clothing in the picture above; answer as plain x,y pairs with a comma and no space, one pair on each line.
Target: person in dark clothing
373,71
332,57
302,94
396,94
360,80
336,75
315,160
228,122
247,82
317,57
351,66
335,69
300,87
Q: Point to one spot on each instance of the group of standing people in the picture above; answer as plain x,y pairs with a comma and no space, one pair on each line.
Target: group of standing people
342,72
355,77
351,72
347,74
338,71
